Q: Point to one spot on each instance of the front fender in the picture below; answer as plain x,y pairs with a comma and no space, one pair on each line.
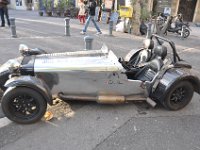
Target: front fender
173,76
31,82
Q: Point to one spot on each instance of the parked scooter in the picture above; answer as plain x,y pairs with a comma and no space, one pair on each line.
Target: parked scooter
176,25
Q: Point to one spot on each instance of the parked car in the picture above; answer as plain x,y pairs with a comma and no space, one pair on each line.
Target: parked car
154,73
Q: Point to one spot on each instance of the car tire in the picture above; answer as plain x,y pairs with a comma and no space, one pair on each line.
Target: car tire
23,105
178,96
4,76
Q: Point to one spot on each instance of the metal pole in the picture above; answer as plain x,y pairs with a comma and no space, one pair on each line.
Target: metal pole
88,42
183,32
13,28
129,25
67,26
148,30
110,27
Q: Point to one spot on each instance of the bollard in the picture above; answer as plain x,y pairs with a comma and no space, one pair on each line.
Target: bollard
67,26
110,27
183,31
148,30
13,28
88,42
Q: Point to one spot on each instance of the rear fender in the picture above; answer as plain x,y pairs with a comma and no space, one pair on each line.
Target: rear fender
173,76
33,83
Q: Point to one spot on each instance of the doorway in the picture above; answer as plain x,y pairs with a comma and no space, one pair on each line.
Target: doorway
187,8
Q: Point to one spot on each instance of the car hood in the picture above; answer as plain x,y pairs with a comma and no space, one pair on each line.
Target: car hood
92,60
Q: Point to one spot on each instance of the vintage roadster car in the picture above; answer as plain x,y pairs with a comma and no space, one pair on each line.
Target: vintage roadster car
153,74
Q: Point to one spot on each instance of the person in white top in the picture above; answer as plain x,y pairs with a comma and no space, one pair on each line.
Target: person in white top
81,14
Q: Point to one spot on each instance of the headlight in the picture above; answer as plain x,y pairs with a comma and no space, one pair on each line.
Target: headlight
23,49
10,65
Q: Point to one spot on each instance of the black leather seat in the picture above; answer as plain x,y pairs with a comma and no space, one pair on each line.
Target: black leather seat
154,65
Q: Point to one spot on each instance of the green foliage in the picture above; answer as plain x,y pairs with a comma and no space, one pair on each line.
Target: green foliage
144,13
48,5
69,3
38,5
60,5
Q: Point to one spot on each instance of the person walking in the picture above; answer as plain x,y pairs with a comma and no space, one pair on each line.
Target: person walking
91,8
4,11
81,14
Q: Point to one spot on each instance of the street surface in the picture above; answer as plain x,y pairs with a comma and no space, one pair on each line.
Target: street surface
132,126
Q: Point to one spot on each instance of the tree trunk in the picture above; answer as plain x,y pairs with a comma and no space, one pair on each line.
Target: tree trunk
136,17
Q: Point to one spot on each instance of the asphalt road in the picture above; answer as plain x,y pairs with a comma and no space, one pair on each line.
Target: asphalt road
94,126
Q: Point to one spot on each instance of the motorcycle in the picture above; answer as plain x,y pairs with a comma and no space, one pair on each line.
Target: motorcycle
176,25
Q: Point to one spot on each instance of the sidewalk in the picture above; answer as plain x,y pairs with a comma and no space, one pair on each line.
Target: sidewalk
103,26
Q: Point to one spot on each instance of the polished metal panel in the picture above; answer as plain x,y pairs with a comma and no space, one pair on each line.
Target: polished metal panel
97,83
94,60
85,72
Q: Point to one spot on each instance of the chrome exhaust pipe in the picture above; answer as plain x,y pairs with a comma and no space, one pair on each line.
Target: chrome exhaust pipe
110,99
103,99
106,99
80,97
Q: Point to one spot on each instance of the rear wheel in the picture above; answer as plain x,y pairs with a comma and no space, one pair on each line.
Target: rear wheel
179,95
186,33
23,105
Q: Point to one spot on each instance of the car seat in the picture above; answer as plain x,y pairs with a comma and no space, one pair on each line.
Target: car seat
154,65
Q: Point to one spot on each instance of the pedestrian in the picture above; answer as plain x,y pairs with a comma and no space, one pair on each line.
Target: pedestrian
91,9
82,11
4,11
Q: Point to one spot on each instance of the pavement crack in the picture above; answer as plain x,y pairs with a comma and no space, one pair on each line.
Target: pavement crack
117,129
111,134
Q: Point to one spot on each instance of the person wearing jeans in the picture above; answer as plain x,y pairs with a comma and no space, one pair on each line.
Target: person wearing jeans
4,11
91,7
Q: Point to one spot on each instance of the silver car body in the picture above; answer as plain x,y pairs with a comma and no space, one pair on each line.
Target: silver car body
96,72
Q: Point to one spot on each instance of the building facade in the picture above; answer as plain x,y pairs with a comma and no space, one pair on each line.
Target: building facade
189,8
23,4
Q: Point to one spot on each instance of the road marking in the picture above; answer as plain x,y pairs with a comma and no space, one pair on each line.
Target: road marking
4,122
189,49
73,24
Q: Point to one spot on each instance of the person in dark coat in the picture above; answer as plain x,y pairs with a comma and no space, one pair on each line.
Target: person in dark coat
4,11
91,9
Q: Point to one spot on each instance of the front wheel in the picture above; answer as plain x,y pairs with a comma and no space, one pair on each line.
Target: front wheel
179,95
23,105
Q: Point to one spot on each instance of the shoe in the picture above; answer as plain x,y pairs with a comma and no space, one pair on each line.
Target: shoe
82,32
2,26
98,33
